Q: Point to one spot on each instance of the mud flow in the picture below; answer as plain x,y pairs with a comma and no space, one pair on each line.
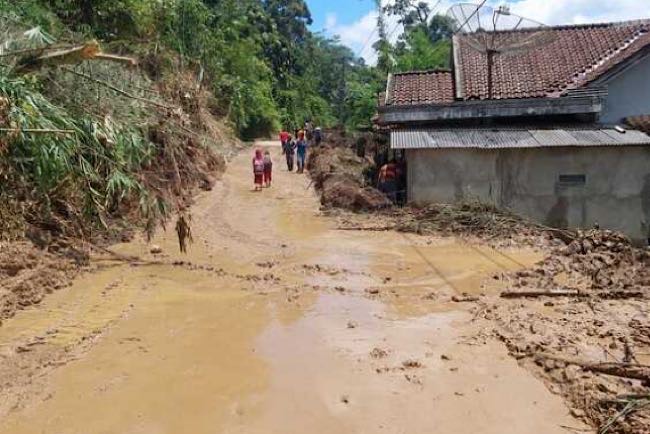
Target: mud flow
275,322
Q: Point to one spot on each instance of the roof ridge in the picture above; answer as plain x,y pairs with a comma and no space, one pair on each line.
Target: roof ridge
425,71
604,24
581,77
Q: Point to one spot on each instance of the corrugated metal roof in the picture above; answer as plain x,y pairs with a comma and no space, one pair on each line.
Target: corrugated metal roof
511,138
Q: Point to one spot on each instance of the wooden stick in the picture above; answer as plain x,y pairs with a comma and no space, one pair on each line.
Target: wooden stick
526,294
623,370
119,59
369,229
573,293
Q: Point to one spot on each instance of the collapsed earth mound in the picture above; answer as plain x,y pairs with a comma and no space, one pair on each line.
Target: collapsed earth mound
338,174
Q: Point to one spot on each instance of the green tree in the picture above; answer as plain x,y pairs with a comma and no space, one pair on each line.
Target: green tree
383,47
419,53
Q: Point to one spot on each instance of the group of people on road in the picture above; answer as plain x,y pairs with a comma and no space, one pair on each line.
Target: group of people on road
294,149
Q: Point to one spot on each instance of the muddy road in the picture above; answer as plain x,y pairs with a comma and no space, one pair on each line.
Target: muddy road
275,322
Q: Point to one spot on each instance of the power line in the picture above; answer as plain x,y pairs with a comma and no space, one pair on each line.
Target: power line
365,45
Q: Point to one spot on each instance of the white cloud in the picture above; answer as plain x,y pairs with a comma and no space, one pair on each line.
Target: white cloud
582,11
551,12
331,21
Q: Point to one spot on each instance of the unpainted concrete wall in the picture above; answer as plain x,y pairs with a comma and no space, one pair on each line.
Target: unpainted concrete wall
616,192
628,94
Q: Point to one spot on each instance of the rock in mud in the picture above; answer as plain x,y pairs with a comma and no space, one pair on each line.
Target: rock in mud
411,364
378,353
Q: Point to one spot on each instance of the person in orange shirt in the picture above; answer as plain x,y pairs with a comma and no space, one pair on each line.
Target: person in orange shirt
284,139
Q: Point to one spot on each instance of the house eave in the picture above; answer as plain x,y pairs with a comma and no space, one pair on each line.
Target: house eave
490,109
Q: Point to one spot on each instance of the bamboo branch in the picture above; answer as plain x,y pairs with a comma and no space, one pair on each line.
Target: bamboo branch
119,59
38,131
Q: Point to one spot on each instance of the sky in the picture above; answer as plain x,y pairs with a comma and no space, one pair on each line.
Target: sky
354,20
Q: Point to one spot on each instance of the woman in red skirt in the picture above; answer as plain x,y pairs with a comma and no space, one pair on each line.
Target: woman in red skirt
258,170
268,169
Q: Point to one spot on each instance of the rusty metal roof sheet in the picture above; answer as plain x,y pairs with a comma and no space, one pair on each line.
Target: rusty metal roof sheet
472,138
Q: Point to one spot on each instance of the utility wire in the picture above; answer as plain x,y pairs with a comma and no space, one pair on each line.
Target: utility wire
365,45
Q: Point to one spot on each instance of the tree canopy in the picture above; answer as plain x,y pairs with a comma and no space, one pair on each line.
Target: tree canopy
265,66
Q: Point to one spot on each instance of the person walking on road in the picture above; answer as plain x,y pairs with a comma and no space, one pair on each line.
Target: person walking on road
301,150
258,170
290,153
268,169
284,138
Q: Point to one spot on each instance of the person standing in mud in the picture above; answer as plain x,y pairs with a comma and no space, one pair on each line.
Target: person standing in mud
258,170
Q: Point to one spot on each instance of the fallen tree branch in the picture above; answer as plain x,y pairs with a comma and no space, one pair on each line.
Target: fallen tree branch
610,295
622,370
535,294
369,229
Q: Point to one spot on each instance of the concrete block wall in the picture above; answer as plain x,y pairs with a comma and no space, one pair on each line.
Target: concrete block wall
544,184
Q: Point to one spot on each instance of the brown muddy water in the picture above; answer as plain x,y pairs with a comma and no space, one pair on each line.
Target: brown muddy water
275,323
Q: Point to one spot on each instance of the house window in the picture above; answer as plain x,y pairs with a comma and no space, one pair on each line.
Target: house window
573,180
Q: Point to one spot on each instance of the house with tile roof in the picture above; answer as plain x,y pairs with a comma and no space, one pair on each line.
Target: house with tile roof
557,132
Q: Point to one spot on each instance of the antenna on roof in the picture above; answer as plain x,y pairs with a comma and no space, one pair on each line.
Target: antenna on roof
484,30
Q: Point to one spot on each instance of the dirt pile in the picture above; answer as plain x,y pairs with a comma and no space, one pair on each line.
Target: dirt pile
579,320
28,274
595,260
338,174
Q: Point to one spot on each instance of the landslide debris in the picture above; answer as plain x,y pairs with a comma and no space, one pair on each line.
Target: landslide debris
592,344
338,174
466,219
579,319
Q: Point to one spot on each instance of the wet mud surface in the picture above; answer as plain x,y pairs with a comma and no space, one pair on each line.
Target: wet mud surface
275,322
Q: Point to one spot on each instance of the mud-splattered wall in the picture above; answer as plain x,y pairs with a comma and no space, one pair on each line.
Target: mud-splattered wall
563,187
